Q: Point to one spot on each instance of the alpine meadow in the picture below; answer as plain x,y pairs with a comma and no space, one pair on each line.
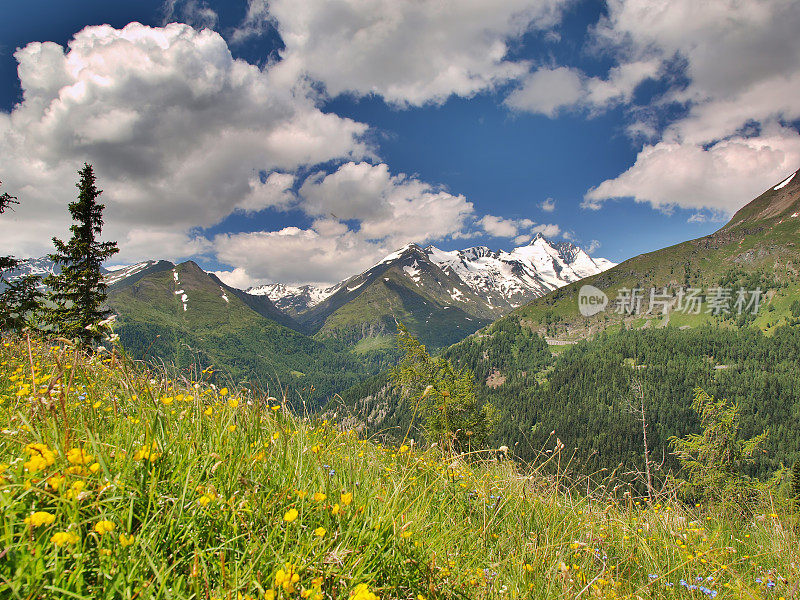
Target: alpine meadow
400,300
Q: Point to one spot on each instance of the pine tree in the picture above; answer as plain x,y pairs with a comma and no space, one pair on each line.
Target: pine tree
20,298
78,292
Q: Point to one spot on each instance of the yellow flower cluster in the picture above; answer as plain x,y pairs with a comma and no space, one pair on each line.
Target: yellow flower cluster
361,592
104,527
63,538
40,457
40,518
287,577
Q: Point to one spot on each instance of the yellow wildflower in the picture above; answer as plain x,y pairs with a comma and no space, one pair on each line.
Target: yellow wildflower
233,402
61,538
103,527
290,515
287,577
40,518
223,392
347,498
126,540
319,531
78,456
319,497
361,592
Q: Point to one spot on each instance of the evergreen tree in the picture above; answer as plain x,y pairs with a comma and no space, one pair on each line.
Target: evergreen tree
78,292
713,460
20,298
444,396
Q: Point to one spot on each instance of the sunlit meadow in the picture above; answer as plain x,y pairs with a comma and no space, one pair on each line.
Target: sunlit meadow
118,482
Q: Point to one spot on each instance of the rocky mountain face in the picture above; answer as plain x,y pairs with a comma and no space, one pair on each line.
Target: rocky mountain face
440,295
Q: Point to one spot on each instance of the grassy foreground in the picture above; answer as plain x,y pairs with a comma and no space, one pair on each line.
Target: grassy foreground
117,483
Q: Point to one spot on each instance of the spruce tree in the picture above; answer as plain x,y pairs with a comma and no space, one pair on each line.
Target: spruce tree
20,297
78,292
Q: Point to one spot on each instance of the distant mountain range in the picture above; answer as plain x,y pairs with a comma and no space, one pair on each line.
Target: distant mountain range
441,296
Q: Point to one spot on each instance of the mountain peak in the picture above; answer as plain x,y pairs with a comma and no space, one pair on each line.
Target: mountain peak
778,203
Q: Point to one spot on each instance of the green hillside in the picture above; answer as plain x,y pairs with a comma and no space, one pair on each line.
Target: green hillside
214,327
759,247
369,305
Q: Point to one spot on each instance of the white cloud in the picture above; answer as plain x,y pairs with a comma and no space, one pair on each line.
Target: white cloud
548,205
547,91
593,246
742,62
323,253
407,51
273,191
522,239
176,129
549,230
395,209
499,226
550,90
238,278
516,228
722,177
362,212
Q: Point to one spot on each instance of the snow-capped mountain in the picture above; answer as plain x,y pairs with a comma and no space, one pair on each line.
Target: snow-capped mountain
32,266
293,299
500,279
510,279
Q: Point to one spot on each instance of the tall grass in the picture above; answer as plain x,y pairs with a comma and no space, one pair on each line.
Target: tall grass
117,482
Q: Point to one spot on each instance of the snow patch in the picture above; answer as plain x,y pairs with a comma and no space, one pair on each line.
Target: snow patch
412,271
785,182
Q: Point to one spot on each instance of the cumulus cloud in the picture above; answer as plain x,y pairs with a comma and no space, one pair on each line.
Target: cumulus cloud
394,209
410,52
502,227
361,212
180,133
742,67
549,230
548,91
327,252
721,177
522,230
193,12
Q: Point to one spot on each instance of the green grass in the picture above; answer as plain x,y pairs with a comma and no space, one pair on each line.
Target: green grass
211,494
373,344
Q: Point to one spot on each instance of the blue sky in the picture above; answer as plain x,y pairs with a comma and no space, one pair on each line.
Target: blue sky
301,140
